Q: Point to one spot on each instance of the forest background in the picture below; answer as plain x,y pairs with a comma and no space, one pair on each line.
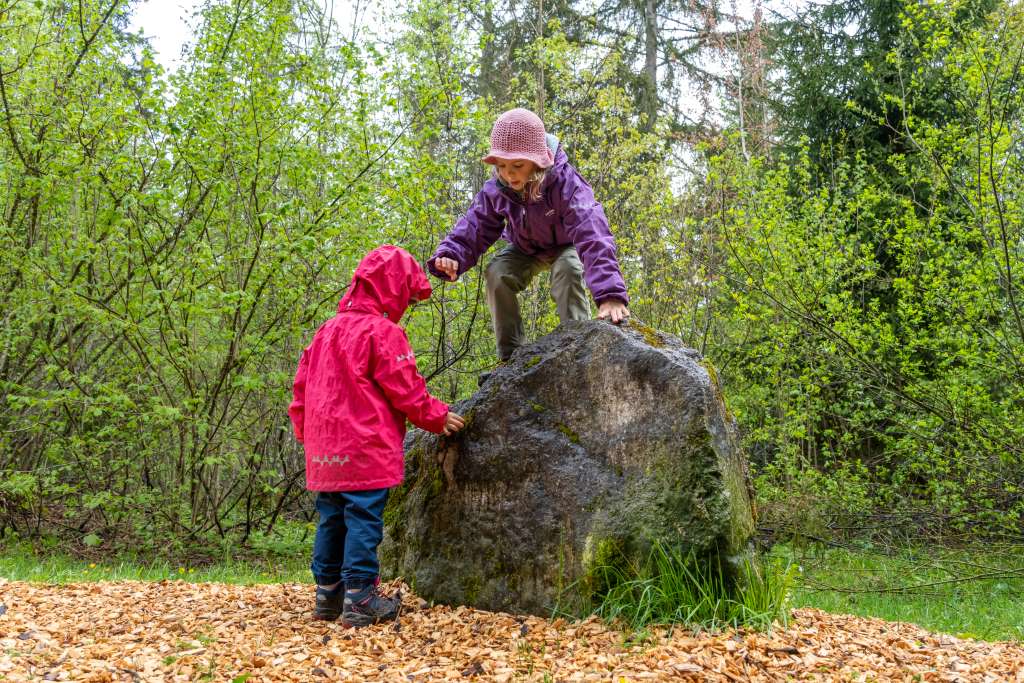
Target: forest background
825,200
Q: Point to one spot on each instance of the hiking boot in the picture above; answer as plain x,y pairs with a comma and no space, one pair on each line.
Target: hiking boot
365,606
328,603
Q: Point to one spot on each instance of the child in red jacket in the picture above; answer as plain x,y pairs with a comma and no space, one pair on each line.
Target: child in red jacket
356,385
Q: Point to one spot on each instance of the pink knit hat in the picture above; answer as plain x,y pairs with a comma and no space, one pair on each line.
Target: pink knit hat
519,134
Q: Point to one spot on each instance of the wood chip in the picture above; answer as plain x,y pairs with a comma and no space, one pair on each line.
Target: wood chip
178,631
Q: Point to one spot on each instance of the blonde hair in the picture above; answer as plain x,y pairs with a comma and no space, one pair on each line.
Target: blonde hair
532,188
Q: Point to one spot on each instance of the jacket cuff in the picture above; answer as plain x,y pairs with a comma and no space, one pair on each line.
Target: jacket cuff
433,269
436,425
623,299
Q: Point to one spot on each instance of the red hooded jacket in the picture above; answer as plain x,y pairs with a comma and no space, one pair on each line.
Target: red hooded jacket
357,381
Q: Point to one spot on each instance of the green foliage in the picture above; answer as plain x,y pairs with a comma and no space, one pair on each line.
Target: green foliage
874,336
874,372
172,240
839,84
171,243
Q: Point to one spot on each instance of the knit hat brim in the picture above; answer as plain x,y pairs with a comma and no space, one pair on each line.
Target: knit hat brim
545,160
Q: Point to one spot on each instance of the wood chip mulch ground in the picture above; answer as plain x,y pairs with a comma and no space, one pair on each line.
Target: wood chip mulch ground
179,631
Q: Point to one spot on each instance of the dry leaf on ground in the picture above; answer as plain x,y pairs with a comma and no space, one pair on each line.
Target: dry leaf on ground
178,631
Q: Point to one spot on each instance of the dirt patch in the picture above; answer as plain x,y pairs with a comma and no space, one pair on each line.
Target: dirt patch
179,631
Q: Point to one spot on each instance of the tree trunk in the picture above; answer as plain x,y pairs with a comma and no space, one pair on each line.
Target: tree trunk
649,103
489,82
540,60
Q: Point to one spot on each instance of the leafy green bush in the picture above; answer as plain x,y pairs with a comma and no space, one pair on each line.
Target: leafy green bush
878,317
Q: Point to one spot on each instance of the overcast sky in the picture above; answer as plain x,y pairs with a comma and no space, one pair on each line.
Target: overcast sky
165,23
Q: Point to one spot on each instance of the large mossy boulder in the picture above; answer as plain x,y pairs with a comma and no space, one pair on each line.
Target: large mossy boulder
591,444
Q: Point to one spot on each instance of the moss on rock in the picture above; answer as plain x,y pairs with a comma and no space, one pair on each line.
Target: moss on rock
650,335
569,433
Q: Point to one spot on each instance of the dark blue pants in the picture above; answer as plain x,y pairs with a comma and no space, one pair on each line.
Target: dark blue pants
351,527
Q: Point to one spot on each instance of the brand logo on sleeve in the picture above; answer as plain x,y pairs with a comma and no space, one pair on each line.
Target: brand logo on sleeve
404,356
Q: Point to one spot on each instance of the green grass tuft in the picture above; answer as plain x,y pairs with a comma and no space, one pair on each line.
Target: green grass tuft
672,588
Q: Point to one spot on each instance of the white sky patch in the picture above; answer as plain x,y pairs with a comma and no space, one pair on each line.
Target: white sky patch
166,24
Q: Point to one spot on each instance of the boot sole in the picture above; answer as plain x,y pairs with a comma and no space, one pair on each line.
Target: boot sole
360,621
317,616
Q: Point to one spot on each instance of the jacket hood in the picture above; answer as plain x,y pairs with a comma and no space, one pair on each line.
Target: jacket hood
384,282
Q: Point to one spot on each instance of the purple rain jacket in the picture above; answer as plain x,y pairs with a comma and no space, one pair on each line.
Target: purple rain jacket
566,214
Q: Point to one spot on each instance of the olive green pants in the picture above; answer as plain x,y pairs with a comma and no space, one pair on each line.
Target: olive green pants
511,271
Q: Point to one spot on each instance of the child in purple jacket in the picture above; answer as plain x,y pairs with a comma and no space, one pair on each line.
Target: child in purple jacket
547,213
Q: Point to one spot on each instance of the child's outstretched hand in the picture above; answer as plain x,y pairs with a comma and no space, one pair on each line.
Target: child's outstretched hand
613,309
449,267
453,423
